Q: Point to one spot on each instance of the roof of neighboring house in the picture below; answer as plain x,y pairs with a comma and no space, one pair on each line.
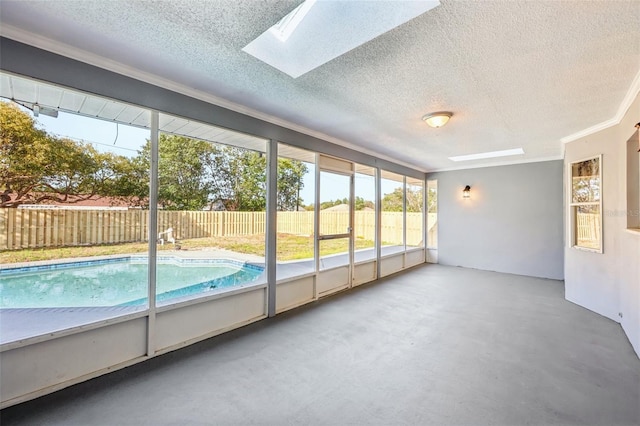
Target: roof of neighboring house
338,208
75,202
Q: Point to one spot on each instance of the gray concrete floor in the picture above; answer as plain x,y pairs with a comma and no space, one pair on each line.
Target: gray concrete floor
436,345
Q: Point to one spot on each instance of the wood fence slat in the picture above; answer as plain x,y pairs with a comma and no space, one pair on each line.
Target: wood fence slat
39,218
113,226
31,241
48,231
144,226
125,228
11,238
4,229
52,227
82,225
56,229
74,228
63,227
18,230
99,228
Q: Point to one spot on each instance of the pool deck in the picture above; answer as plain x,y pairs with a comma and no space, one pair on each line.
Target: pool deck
17,324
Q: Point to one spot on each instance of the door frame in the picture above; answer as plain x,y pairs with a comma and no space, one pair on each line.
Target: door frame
345,168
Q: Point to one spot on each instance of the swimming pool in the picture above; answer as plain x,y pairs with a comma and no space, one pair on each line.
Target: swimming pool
118,281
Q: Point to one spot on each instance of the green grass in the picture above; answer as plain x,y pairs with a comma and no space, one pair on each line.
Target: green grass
290,247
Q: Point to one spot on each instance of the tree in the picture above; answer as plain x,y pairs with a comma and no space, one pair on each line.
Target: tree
432,200
23,154
393,201
414,200
125,178
36,167
181,171
290,174
193,174
362,204
219,173
239,180
250,183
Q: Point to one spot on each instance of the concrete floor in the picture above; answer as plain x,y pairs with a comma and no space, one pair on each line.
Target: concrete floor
435,345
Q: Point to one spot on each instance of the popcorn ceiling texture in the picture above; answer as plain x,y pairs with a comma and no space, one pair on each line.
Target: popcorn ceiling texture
515,73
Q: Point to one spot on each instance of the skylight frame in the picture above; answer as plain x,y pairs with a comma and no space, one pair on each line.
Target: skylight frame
283,29
318,31
489,154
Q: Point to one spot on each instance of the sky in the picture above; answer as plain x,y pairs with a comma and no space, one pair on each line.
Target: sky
103,135
126,140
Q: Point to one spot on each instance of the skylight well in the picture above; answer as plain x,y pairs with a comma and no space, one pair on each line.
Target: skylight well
485,155
287,25
318,31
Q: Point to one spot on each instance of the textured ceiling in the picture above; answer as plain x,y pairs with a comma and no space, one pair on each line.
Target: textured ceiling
514,73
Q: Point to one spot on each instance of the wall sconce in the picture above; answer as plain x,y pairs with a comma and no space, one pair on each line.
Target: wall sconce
466,192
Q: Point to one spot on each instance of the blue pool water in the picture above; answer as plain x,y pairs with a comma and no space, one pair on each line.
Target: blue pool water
118,282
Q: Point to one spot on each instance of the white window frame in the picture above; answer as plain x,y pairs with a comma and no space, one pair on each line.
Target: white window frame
633,181
573,207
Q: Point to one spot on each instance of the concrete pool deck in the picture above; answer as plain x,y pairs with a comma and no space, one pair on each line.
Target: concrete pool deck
18,324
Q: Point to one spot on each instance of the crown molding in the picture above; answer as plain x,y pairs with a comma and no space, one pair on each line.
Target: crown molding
631,95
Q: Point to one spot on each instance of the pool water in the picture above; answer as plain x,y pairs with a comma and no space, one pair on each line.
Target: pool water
117,283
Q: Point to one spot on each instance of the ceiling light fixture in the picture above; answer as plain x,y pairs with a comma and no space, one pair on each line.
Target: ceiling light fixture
437,119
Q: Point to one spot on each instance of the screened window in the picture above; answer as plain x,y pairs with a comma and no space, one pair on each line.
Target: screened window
75,203
415,214
392,212
432,214
296,212
365,213
211,210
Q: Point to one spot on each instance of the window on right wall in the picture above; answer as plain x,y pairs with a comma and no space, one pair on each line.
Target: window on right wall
586,204
633,181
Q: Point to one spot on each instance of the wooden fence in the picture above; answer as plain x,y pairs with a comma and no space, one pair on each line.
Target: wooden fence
35,228
38,228
588,230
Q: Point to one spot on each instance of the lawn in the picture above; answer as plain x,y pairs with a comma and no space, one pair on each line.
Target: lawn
289,247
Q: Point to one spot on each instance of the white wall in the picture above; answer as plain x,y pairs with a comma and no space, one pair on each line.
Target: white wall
511,223
608,283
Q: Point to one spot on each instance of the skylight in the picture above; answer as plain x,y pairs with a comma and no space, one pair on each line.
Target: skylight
484,155
318,31
287,25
